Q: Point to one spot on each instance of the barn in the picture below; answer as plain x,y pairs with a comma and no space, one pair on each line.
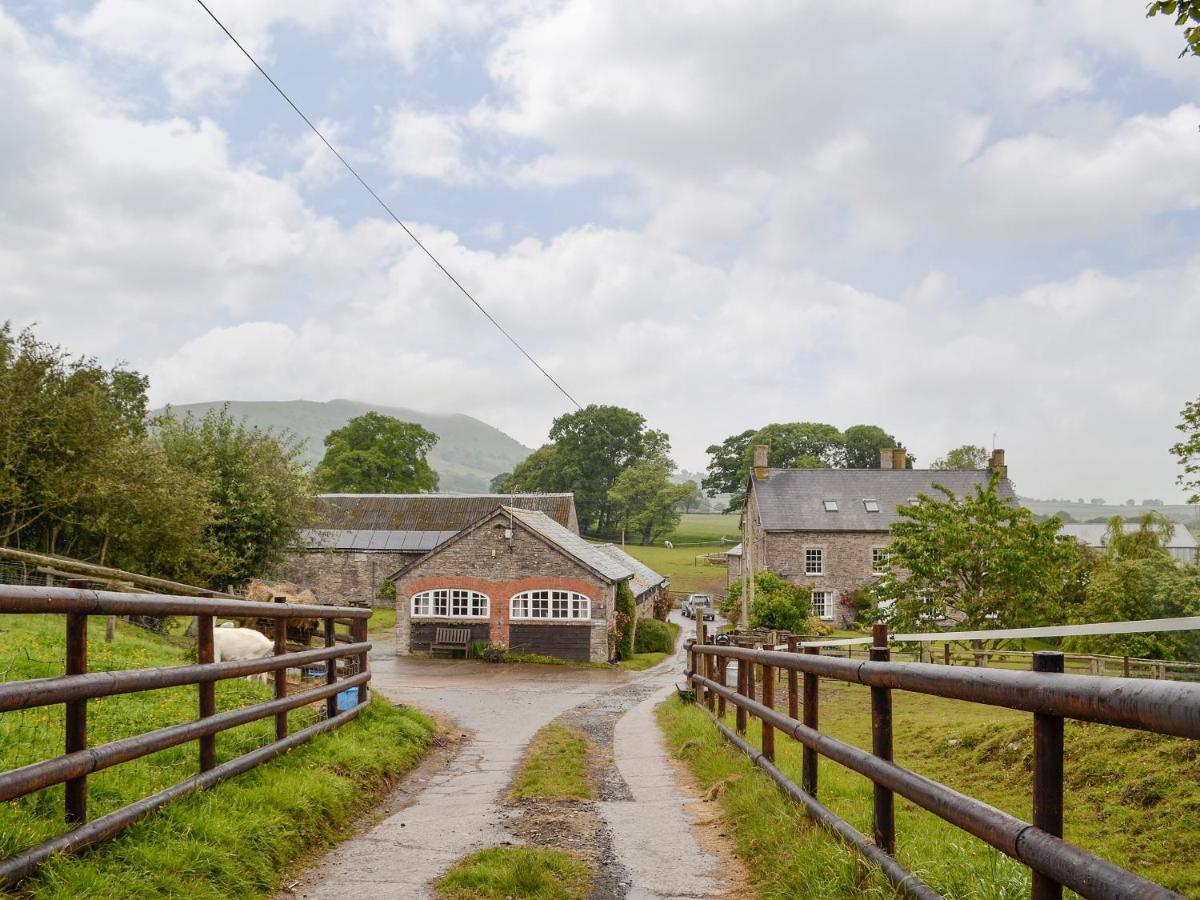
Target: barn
358,540
518,577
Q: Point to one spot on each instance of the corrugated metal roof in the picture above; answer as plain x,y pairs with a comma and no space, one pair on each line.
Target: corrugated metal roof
395,541
794,499
644,577
589,554
429,512
1094,533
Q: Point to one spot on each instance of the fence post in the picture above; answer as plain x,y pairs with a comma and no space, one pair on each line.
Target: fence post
360,635
741,689
281,726
768,699
1126,666
722,667
811,709
330,667
702,660
205,653
76,710
751,676
946,652
793,694
1047,775
881,745
710,667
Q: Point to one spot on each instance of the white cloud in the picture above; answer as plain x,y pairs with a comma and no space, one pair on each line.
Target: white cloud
425,144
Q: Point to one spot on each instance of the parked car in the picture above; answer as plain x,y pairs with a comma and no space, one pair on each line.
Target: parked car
699,604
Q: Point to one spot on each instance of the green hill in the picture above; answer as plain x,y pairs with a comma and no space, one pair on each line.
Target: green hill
467,456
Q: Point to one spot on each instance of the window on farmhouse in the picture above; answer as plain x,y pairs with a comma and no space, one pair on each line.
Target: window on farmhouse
814,561
879,558
822,604
551,605
831,506
449,602
871,505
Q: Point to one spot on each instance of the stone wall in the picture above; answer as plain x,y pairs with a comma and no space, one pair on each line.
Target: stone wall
484,560
847,563
341,576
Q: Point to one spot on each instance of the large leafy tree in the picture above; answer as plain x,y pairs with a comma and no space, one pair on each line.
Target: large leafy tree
1187,451
981,559
968,456
863,443
589,450
645,502
728,465
377,454
258,490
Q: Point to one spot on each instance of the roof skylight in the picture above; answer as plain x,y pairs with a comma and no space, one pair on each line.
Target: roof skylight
871,505
831,506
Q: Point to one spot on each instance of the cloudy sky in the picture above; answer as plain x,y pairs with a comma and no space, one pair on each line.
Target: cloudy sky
956,220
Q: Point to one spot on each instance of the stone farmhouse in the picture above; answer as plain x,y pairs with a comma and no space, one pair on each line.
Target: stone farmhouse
358,540
828,529
519,577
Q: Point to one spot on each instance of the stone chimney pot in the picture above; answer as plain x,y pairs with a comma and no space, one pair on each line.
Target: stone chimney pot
760,461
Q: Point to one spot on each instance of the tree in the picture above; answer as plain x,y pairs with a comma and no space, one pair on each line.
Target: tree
644,501
689,496
1186,12
981,557
863,443
727,468
1136,578
377,454
966,457
778,604
1187,451
539,471
257,488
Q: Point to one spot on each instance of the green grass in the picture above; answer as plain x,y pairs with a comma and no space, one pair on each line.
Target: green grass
236,840
382,619
511,872
681,565
697,527
540,660
1132,798
556,766
648,660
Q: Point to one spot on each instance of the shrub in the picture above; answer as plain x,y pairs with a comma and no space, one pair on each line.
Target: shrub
387,591
625,621
653,636
778,604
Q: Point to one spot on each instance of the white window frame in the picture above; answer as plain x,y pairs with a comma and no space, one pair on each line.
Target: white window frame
879,559
441,603
830,505
550,605
869,502
820,561
825,611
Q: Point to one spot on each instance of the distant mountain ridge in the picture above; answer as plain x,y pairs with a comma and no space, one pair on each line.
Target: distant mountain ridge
468,454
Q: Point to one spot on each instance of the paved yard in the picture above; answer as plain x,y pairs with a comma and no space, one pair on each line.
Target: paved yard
653,851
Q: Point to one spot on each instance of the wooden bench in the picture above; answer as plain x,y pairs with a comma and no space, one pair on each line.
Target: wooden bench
451,639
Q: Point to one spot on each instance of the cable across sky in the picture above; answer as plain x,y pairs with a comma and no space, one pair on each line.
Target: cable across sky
416,240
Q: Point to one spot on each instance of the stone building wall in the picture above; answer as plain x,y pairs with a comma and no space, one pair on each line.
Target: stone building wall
484,560
847,558
342,576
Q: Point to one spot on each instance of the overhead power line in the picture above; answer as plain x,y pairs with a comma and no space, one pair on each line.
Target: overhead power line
416,240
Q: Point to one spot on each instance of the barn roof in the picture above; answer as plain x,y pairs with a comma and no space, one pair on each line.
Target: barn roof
591,555
415,523
795,499
644,577
1094,533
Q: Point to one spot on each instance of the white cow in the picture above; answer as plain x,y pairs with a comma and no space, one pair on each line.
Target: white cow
232,643
668,545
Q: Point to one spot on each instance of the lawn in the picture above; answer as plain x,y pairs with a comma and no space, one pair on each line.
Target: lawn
236,840
382,620
504,873
683,567
1132,798
556,766
709,528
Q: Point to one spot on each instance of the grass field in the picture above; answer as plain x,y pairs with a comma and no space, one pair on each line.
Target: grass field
236,840
1131,797
708,528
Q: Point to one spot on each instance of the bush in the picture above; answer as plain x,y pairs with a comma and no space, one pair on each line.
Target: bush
778,604
653,636
625,621
387,591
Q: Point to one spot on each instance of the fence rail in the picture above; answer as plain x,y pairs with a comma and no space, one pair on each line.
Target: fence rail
77,686
1163,707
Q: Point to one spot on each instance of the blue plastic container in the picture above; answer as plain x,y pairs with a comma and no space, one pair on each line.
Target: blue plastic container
347,699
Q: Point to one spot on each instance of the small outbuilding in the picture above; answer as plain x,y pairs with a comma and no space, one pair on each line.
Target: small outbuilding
1182,544
519,578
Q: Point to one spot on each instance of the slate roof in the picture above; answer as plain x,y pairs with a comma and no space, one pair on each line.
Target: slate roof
1094,533
793,499
415,523
572,544
644,577
735,550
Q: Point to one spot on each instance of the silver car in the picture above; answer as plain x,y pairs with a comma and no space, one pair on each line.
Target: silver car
701,604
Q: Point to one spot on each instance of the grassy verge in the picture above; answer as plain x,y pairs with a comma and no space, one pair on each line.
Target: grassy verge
539,659
236,840
556,766
1132,798
508,872
382,619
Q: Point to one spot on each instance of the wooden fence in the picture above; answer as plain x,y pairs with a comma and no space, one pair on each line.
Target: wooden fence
1163,707
76,686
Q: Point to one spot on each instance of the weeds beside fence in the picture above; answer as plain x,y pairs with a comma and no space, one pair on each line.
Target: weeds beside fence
76,686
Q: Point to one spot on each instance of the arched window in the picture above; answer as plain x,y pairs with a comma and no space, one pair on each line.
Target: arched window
451,602
551,605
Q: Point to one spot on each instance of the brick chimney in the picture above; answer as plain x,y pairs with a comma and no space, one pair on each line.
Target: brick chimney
885,457
760,462
899,457
996,464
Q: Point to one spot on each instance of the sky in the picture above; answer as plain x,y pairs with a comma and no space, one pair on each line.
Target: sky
963,222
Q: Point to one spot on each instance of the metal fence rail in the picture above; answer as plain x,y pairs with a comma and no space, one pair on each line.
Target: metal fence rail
77,686
1163,707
